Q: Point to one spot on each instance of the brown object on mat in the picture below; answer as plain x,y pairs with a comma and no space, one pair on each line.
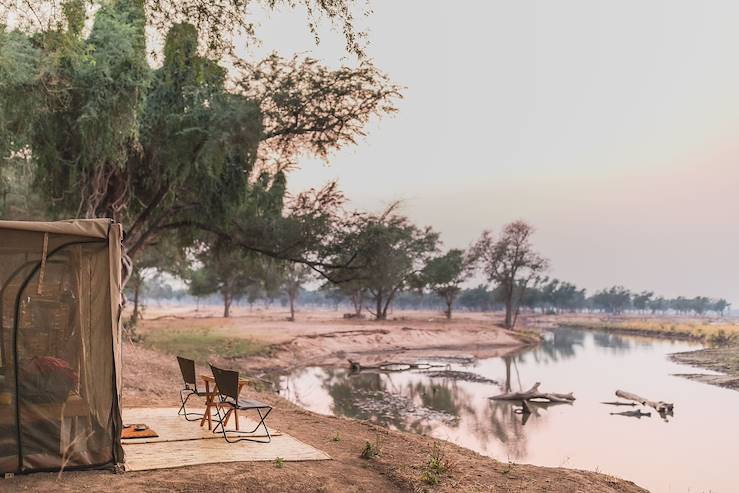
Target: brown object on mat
130,431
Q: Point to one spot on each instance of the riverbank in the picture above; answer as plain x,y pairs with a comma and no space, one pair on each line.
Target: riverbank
723,359
261,343
265,341
407,462
707,330
720,336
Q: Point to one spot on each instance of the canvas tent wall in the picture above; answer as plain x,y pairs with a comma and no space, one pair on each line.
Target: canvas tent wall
60,347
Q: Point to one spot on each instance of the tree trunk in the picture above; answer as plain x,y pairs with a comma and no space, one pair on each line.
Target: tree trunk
226,304
509,312
379,315
448,311
358,301
515,314
136,315
388,301
291,296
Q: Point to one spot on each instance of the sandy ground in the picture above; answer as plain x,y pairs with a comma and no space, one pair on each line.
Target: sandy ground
152,379
324,338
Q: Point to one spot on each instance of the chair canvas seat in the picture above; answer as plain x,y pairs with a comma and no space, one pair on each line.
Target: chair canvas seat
246,404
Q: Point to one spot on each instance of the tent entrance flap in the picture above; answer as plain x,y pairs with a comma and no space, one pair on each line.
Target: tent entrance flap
58,352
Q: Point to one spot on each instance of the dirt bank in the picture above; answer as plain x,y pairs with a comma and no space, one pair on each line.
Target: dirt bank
151,378
724,359
324,338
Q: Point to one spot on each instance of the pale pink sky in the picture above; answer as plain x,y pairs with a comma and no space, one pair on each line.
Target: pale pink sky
611,126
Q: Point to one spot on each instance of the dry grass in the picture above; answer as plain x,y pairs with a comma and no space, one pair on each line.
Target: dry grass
707,331
201,343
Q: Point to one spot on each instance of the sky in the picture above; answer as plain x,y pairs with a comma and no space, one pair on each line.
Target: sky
610,126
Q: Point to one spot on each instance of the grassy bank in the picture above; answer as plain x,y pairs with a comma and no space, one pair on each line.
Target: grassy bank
711,333
201,344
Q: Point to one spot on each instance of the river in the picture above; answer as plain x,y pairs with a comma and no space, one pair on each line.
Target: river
693,451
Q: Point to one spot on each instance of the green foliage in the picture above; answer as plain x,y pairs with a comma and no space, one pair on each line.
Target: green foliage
554,296
612,300
445,274
18,200
642,300
371,450
91,92
384,253
177,151
201,344
219,22
19,75
436,467
479,298
286,87
232,272
279,462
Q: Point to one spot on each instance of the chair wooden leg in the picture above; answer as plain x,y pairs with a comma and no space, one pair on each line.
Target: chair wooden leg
236,417
227,417
208,401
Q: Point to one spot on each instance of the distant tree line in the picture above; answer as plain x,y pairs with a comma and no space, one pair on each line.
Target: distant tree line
555,296
384,261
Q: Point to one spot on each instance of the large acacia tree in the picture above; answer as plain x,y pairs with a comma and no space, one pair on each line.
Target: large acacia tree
180,149
382,254
512,263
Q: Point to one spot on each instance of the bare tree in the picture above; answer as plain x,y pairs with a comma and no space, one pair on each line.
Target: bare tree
512,263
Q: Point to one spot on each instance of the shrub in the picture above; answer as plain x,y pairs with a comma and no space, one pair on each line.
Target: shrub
371,450
437,466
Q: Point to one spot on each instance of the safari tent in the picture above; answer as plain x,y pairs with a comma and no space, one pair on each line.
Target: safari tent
60,348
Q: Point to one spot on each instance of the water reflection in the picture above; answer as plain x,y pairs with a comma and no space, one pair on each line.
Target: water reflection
556,346
586,434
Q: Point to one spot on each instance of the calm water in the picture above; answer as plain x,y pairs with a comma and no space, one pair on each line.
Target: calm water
696,450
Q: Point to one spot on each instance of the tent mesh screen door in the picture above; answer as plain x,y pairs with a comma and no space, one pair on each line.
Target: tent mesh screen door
57,386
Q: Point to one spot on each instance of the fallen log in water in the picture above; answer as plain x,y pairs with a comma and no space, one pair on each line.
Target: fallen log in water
392,366
660,406
619,403
458,375
638,413
534,394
